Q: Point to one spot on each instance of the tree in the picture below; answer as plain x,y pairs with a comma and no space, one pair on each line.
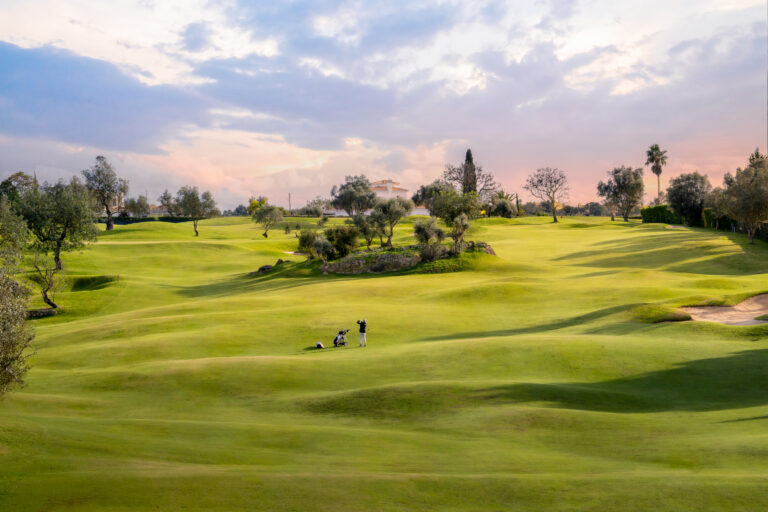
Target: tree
137,207
594,209
450,204
240,211
426,194
322,248
430,237
14,186
459,226
15,334
657,159
686,194
623,190
390,212
342,238
468,177
501,205
166,201
548,185
717,202
106,187
354,196
60,216
365,227
267,216
255,203
190,203
746,194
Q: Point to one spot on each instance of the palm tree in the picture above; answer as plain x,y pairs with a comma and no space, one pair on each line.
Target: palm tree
657,159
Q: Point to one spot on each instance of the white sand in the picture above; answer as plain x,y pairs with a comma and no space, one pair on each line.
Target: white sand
743,313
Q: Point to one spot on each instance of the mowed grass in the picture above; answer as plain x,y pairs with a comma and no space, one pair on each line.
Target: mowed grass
537,380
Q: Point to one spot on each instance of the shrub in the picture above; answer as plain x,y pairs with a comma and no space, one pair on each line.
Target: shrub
659,214
343,239
307,238
322,248
430,237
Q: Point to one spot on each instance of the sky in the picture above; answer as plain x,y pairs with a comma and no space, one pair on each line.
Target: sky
250,98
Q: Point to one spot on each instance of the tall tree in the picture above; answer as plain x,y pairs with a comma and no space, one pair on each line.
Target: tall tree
166,201
15,333
137,207
468,178
14,186
450,204
60,216
354,195
657,159
267,215
426,194
106,187
746,194
190,203
686,195
623,190
390,212
548,185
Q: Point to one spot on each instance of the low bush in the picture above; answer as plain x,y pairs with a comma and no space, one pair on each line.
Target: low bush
343,238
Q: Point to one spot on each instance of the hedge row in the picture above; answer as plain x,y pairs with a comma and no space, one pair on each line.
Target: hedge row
659,214
134,220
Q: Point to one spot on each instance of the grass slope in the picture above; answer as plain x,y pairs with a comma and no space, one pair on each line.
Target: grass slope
536,380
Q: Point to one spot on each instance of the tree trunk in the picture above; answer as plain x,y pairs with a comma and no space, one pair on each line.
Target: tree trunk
194,225
48,300
265,234
57,255
626,217
751,233
613,218
658,184
110,222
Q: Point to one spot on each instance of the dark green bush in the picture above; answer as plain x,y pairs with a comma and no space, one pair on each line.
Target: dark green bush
307,239
659,214
343,238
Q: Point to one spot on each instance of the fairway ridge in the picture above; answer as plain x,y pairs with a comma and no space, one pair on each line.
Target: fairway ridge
546,378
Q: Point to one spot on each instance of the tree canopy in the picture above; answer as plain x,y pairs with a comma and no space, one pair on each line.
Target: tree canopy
354,195
468,178
623,190
388,213
746,194
15,333
60,216
190,203
106,187
686,195
267,215
547,184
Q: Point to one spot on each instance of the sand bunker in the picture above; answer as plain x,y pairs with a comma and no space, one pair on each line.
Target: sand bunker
743,313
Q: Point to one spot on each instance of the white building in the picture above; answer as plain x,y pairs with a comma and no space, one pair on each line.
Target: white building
388,189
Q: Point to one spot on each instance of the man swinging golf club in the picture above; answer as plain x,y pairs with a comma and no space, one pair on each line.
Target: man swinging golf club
363,324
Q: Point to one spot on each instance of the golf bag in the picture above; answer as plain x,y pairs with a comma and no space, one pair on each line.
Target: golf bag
341,338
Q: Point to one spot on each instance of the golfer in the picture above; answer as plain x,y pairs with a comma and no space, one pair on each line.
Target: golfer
363,324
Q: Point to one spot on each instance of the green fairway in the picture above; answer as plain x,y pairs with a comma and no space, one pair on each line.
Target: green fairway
536,380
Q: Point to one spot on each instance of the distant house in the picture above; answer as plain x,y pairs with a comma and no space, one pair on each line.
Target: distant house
159,211
388,189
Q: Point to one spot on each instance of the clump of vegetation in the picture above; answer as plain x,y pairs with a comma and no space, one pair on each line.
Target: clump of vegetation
655,313
430,237
266,216
343,239
548,185
623,190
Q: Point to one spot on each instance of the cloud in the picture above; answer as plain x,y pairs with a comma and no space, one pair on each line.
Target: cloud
51,93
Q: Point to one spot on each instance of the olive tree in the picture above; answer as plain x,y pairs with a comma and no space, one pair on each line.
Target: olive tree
354,195
389,213
15,333
549,185
190,203
60,216
450,204
623,190
366,227
746,194
459,227
430,237
106,187
166,201
426,194
267,215
686,195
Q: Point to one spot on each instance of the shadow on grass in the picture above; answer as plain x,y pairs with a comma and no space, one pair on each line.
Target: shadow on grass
731,382
549,326
697,251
